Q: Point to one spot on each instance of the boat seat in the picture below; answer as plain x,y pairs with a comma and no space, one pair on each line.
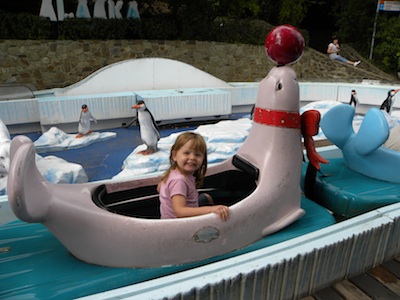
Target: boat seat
346,192
246,167
140,202
226,188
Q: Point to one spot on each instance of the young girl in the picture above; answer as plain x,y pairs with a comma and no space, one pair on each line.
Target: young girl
178,195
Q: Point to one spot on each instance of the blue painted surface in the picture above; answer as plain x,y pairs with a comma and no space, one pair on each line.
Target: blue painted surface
104,160
37,266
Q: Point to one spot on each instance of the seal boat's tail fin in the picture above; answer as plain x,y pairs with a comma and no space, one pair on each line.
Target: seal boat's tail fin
373,132
28,192
337,124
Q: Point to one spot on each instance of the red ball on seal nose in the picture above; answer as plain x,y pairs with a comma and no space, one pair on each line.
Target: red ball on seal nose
284,44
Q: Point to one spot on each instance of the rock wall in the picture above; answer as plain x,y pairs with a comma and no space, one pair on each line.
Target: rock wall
51,64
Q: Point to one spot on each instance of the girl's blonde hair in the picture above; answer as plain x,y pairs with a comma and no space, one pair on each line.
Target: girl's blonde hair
199,144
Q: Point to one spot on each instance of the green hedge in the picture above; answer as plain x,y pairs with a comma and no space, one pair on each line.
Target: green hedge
28,26
25,26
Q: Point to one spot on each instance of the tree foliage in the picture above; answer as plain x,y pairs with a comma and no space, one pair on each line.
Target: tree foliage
387,49
292,12
355,20
192,17
236,8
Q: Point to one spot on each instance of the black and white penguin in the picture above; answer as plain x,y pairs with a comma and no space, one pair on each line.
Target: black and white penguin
387,104
353,98
148,128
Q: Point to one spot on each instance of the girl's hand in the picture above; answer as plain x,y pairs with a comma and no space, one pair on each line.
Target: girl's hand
221,210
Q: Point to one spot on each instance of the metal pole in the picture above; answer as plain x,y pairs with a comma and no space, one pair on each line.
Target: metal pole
371,51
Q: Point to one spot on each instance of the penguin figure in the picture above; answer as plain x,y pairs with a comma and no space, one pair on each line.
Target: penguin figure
148,128
84,121
388,103
354,98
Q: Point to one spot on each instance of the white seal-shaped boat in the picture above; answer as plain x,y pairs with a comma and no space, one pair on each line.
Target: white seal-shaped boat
117,224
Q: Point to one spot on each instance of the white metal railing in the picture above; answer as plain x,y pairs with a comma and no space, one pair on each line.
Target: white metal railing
56,110
19,111
183,103
48,109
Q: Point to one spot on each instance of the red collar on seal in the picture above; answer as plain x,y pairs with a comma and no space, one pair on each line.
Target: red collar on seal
277,118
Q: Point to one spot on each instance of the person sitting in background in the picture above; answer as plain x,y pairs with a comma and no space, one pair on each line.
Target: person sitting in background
333,52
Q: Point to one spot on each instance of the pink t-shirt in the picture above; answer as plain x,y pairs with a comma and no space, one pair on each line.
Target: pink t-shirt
177,184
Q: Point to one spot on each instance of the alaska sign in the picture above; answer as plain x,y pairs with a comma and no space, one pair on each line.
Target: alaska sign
113,10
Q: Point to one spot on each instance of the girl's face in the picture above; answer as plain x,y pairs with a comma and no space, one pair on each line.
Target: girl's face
188,159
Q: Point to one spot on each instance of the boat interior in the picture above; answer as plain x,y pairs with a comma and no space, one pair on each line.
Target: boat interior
226,188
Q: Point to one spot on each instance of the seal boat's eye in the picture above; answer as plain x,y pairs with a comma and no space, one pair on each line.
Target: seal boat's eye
278,86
